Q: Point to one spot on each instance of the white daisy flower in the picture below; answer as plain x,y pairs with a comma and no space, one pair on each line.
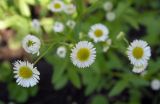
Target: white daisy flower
71,24
110,16
155,84
26,74
70,9
98,33
108,6
58,27
57,6
106,45
61,51
83,54
35,24
139,52
31,44
139,69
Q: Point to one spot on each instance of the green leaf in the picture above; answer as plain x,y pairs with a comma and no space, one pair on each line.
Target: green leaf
74,77
91,80
118,88
121,9
135,97
33,91
32,2
80,7
132,21
135,80
5,71
138,81
3,25
47,23
61,82
1,102
17,93
114,61
24,8
99,99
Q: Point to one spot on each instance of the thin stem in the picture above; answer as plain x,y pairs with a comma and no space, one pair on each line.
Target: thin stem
113,46
125,40
44,53
63,43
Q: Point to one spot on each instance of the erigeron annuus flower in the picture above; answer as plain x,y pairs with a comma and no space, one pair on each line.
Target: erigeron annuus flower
139,69
57,6
31,44
61,51
139,52
155,84
98,32
26,74
58,27
83,54
110,16
71,23
35,24
70,9
108,6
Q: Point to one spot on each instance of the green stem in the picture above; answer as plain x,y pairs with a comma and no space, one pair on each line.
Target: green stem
66,44
44,53
125,40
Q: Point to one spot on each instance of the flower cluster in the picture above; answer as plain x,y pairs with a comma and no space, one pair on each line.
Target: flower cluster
139,53
59,6
110,14
26,74
83,53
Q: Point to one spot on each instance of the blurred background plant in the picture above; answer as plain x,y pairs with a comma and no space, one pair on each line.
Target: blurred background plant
109,80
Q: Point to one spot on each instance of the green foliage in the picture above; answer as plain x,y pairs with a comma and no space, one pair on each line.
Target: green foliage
5,71
118,88
99,99
1,102
20,94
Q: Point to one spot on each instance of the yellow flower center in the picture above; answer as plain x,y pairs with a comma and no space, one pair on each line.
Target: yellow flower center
98,33
138,52
30,43
25,72
57,5
83,54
